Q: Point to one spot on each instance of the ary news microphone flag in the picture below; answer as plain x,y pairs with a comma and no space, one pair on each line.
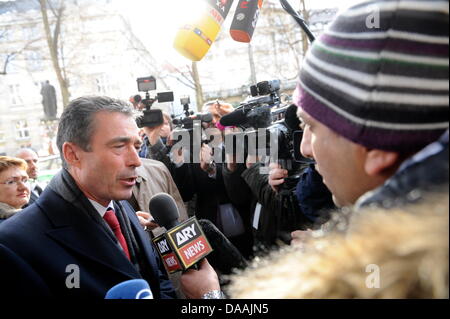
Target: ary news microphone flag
130,289
245,19
184,244
194,38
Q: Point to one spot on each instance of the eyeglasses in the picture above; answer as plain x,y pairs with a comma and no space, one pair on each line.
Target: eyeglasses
23,180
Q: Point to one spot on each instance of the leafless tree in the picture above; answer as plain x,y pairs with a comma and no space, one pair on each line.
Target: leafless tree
53,42
10,53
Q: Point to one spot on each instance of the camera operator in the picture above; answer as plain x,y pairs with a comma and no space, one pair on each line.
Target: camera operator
155,141
211,186
272,132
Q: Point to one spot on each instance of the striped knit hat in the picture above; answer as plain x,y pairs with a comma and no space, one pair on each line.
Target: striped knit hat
379,75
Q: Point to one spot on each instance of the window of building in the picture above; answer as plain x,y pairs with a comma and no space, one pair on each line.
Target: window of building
102,84
15,94
22,130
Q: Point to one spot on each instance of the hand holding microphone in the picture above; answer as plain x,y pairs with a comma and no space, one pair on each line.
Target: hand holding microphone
196,283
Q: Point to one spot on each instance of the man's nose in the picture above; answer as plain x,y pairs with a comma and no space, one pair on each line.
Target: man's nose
305,147
133,158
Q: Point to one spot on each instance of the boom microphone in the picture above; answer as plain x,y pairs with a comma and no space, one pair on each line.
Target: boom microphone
194,39
225,256
130,289
244,21
234,118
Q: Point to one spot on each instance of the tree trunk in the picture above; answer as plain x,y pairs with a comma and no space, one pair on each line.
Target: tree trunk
52,42
198,86
305,14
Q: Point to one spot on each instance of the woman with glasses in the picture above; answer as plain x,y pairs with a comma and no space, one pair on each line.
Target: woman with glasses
14,189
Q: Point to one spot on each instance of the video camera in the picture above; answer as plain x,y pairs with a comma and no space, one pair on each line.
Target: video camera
191,124
187,122
281,127
150,118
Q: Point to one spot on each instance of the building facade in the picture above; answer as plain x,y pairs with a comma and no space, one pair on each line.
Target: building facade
98,52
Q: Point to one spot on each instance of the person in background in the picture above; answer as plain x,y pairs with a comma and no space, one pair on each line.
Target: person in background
14,191
217,194
155,141
32,159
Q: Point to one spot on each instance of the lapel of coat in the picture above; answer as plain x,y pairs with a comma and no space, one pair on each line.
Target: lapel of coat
80,234
145,245
33,198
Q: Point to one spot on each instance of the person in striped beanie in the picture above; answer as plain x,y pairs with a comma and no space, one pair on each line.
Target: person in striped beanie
373,91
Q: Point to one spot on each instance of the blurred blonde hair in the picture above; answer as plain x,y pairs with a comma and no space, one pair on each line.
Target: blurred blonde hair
168,119
7,162
226,107
409,246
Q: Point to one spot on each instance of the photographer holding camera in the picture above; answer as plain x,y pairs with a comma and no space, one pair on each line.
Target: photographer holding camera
298,200
156,141
218,195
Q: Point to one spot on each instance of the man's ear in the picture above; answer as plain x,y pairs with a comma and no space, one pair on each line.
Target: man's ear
71,154
380,162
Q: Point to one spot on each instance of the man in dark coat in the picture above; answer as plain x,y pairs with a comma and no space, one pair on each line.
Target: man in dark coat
80,238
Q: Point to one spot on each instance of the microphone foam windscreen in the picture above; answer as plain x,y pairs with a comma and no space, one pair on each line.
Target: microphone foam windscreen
234,118
164,209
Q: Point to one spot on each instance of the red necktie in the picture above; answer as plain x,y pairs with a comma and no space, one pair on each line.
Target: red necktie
111,219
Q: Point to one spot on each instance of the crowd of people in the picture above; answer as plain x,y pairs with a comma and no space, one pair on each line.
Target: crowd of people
373,108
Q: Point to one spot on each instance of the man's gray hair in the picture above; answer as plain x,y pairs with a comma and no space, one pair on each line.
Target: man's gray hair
24,149
77,121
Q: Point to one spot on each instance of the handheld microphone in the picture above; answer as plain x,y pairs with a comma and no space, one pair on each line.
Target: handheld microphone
194,39
245,19
234,118
225,256
184,244
130,289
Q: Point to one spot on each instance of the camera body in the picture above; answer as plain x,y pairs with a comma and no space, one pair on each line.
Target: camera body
150,118
191,124
267,123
